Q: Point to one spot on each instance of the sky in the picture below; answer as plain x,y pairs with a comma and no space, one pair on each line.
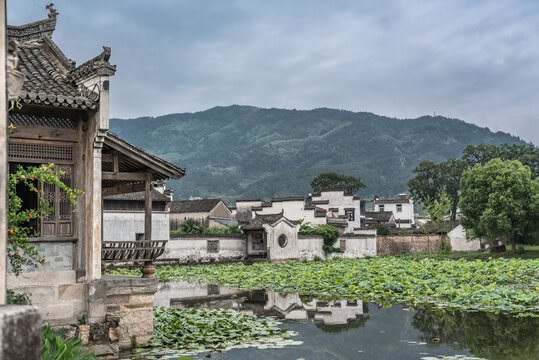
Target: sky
474,60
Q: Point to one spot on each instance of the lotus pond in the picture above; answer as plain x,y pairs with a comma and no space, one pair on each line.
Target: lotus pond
377,308
347,329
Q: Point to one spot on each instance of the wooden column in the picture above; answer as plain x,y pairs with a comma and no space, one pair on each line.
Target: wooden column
148,208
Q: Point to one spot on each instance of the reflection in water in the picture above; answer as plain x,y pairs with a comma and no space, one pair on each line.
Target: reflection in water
487,335
341,329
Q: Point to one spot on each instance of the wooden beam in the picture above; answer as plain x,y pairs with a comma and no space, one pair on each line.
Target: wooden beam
123,189
43,133
148,208
115,162
134,176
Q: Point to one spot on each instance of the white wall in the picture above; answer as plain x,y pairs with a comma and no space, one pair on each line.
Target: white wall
359,245
291,250
337,199
188,248
407,212
123,225
457,236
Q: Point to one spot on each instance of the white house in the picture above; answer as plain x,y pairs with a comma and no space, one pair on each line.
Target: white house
402,208
317,209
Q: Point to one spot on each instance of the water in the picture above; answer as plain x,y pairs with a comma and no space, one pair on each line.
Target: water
341,329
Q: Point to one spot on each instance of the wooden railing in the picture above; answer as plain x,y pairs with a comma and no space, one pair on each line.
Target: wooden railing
142,251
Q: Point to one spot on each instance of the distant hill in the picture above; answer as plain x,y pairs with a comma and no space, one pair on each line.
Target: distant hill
237,152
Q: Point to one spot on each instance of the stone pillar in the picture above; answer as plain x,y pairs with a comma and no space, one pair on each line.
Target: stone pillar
3,153
20,332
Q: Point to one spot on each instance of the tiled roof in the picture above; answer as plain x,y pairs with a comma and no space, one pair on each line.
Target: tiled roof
50,77
138,196
193,206
261,219
378,215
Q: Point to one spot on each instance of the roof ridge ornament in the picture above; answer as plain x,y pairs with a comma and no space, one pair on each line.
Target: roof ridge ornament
52,11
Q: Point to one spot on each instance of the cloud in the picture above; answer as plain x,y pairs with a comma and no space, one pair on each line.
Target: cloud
477,61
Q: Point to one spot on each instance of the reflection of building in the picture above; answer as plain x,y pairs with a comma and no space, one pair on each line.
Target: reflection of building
334,312
289,307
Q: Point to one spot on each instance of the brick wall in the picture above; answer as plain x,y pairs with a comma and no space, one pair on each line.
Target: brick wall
407,244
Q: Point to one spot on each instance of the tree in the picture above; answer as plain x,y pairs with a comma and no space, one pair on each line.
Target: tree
331,180
500,200
433,179
481,154
437,210
192,226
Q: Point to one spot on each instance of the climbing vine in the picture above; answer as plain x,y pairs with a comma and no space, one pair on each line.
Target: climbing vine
20,251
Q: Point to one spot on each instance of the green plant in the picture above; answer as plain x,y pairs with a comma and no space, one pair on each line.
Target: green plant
445,246
14,298
191,226
54,347
381,229
134,343
490,284
82,319
19,251
317,258
330,234
208,330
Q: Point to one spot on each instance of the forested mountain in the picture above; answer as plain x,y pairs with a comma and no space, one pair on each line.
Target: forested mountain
237,152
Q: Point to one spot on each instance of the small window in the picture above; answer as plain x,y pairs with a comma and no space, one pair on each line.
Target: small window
350,214
212,246
139,236
381,208
362,223
282,240
342,244
399,207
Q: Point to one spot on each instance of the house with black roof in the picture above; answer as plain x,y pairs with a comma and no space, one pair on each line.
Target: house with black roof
208,212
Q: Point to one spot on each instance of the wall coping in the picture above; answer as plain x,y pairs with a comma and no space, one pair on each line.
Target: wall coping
207,236
308,236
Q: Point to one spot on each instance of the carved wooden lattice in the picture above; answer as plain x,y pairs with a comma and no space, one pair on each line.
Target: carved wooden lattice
42,121
213,246
60,221
45,152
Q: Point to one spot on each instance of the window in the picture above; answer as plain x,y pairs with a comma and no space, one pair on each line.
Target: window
212,246
257,240
362,223
350,214
381,208
282,240
59,222
139,236
399,207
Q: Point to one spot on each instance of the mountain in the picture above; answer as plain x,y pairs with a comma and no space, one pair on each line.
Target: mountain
245,152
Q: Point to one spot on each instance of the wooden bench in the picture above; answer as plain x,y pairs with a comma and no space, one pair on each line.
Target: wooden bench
142,251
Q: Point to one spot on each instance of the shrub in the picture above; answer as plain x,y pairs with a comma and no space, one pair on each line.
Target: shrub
191,226
54,347
382,230
18,299
330,234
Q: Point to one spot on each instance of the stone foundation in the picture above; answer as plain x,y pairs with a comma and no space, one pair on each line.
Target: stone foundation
407,244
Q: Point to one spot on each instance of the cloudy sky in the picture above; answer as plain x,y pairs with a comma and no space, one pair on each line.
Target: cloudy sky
469,59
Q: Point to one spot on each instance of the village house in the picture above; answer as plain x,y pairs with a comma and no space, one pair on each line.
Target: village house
208,212
64,119
123,216
379,217
334,207
401,207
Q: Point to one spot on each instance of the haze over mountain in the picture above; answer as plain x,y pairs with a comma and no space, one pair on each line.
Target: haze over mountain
245,152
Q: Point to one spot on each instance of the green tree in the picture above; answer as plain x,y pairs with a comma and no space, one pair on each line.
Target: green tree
500,199
433,179
481,154
191,226
331,180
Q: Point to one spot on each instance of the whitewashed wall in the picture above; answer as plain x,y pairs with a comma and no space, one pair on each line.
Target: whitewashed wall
124,225
457,236
194,248
310,246
358,245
